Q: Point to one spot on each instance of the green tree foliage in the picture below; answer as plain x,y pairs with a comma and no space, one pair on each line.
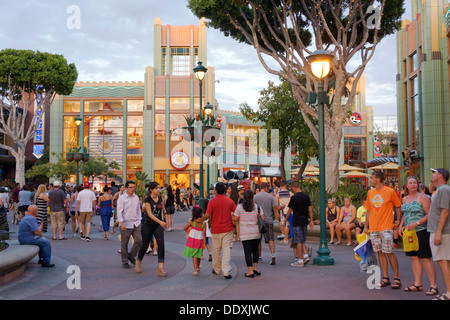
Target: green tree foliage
285,32
27,77
97,167
59,170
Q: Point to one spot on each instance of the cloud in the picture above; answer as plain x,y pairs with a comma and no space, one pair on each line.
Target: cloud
115,43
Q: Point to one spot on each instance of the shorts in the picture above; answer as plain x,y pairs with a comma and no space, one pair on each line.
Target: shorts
383,241
86,217
58,219
23,208
424,251
299,234
268,236
441,252
170,209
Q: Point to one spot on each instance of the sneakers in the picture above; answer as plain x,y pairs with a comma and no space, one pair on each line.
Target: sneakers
88,239
272,261
298,263
305,259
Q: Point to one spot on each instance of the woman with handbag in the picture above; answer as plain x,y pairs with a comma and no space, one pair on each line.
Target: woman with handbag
248,215
153,224
415,207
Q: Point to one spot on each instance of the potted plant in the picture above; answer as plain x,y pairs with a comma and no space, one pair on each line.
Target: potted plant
189,120
85,156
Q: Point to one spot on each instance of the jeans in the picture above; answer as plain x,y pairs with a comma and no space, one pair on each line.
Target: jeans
45,248
149,230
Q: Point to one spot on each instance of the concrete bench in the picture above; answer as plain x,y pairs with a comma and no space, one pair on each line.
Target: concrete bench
14,259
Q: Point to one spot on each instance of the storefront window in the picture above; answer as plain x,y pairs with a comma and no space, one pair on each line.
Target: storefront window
103,135
70,133
160,178
355,148
180,104
160,104
160,135
135,133
135,105
102,106
72,106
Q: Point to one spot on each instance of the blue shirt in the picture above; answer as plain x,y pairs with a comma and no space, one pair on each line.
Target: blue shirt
28,225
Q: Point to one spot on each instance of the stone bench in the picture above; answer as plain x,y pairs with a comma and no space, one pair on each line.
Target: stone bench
14,259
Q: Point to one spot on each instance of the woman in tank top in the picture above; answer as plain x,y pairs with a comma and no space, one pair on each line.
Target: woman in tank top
332,217
415,208
347,221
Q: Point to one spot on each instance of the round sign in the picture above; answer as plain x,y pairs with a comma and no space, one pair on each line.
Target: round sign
355,118
179,160
106,145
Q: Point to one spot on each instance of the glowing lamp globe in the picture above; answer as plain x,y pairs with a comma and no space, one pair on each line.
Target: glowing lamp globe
320,62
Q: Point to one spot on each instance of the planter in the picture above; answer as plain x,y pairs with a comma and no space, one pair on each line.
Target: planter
77,157
188,133
69,156
85,157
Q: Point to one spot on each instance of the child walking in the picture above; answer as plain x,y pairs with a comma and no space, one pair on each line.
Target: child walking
196,239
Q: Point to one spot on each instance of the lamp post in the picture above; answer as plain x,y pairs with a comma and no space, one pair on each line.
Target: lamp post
200,72
78,121
76,154
320,62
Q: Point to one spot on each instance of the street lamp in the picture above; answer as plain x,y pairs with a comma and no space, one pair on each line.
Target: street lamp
76,154
200,72
320,63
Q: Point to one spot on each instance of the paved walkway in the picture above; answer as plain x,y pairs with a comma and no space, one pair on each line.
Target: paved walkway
102,276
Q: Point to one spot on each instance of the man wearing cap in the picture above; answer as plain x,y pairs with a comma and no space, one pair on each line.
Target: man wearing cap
439,225
58,205
86,203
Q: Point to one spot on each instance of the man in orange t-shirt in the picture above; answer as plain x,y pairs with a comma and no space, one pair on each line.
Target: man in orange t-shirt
380,204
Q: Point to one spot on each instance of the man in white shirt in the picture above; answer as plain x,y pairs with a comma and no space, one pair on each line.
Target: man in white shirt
129,215
86,204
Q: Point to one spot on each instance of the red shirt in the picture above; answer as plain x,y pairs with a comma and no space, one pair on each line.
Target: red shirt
220,208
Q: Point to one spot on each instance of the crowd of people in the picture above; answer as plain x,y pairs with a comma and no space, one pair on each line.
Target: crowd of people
235,213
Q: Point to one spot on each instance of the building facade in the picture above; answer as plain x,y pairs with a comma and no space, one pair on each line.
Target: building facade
138,124
423,90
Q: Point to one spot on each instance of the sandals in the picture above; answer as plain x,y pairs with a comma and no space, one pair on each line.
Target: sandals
397,284
432,292
442,297
413,288
384,283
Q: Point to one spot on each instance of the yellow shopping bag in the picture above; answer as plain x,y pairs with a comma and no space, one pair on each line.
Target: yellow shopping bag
361,238
410,240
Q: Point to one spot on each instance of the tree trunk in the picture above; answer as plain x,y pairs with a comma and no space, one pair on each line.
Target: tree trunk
20,165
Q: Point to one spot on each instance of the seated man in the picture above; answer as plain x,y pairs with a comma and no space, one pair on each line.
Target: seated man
31,233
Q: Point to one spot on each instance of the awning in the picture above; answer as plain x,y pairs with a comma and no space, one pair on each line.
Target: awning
270,172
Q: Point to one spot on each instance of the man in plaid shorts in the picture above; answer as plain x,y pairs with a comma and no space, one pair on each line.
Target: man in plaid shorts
380,204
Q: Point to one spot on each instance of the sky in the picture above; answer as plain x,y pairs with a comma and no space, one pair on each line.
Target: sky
114,42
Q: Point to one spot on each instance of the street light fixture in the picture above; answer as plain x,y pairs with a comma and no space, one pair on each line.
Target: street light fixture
78,120
320,63
200,72
208,109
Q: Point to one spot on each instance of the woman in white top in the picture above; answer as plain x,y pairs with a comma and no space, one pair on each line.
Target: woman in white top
247,215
